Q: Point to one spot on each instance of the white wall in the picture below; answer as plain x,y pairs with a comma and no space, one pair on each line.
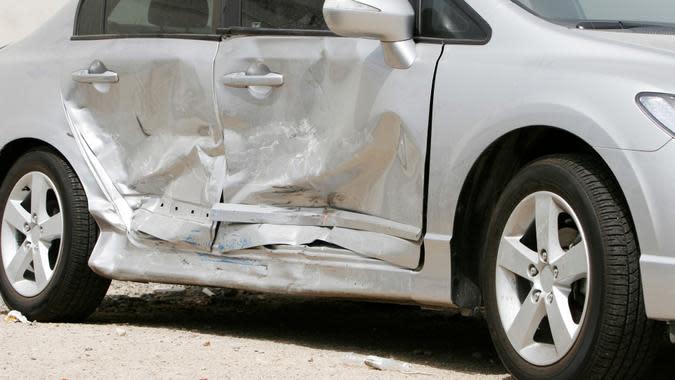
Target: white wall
20,17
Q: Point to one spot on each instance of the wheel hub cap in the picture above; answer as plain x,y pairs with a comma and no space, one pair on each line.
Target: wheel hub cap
542,278
32,227
547,279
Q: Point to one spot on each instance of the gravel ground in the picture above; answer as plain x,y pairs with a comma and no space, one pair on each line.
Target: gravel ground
159,331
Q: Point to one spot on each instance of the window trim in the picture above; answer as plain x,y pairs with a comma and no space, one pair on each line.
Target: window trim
243,30
93,37
466,8
217,19
220,19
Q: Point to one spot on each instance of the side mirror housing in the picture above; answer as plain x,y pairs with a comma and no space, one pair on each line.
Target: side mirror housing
390,21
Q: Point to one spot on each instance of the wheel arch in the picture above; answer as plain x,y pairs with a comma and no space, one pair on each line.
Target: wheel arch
481,190
14,149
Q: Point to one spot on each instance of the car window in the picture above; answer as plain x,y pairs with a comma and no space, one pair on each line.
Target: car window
159,17
139,17
90,18
447,20
283,14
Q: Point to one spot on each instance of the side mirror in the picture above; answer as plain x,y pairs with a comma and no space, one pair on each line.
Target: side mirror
390,21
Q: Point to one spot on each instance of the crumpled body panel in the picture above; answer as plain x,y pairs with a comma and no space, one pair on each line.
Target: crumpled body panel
154,134
343,132
334,153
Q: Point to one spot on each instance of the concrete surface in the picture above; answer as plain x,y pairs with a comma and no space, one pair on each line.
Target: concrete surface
172,332
165,332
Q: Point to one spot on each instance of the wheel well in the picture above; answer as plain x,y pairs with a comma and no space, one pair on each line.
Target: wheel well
11,152
488,178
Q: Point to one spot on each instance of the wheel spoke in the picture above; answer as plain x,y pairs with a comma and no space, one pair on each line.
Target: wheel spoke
52,228
572,265
522,330
41,264
18,264
38,196
16,216
546,220
515,257
563,328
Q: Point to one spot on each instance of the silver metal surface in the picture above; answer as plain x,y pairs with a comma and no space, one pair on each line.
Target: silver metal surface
312,154
32,231
242,80
400,54
383,20
396,251
287,270
389,21
258,74
83,76
554,268
535,73
324,217
153,138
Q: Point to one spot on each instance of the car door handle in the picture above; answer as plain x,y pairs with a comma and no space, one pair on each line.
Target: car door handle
244,80
96,73
84,76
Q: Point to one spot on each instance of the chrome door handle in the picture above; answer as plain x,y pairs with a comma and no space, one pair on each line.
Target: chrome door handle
96,73
242,80
257,75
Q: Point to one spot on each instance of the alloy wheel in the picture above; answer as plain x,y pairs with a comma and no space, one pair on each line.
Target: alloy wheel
542,278
32,230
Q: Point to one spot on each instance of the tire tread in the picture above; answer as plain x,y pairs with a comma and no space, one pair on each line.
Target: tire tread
629,340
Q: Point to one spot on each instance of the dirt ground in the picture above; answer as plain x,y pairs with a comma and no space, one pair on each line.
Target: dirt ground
158,331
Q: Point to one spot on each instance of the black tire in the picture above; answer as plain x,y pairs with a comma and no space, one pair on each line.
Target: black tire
616,340
74,292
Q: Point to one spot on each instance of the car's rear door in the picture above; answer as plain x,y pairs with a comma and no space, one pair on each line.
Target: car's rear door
138,87
334,138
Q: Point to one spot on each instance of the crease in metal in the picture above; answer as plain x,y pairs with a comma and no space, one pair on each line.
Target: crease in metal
290,192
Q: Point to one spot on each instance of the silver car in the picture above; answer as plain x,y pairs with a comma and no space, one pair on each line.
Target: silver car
507,158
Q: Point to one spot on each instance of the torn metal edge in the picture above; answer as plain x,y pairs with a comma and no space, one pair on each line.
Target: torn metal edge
322,217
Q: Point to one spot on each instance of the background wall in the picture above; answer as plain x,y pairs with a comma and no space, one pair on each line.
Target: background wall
20,17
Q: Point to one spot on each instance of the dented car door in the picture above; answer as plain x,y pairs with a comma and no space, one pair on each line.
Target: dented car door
138,89
324,142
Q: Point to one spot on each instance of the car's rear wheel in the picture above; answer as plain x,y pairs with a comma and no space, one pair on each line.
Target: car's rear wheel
561,276
46,237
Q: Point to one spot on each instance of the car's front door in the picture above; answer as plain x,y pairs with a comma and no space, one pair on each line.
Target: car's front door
320,132
138,88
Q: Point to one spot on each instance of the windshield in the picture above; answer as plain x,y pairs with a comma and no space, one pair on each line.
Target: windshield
661,12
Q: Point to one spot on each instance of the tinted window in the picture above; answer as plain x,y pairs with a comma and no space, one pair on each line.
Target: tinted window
445,19
159,17
90,17
283,14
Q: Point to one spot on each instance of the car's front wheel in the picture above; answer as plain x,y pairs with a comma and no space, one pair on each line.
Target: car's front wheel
561,275
46,237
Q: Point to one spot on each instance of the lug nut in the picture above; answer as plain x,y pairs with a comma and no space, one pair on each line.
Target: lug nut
549,298
26,227
556,273
544,256
35,218
533,271
536,296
